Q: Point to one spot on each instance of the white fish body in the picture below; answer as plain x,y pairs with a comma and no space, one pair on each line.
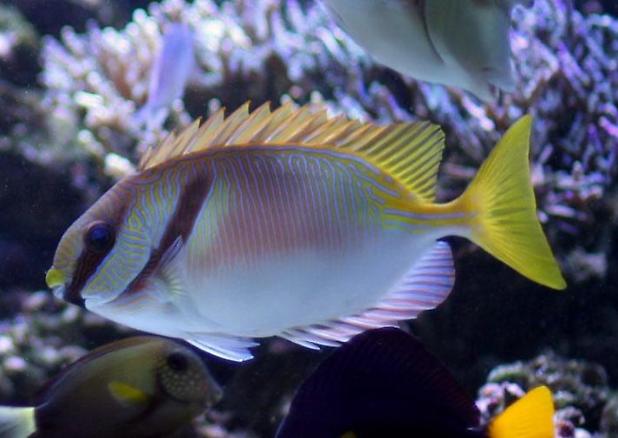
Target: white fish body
233,283
295,225
460,43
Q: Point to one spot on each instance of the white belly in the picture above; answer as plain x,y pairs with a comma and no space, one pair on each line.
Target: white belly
302,288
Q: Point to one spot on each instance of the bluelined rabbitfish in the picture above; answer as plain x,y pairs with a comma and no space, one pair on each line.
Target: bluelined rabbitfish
138,387
461,43
293,224
384,383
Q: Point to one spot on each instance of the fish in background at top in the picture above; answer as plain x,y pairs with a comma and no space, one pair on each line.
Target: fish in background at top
461,43
293,224
170,71
142,386
384,383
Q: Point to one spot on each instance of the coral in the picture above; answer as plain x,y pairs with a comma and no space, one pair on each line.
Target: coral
580,391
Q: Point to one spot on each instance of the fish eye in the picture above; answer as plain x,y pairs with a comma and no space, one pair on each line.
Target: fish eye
178,362
99,237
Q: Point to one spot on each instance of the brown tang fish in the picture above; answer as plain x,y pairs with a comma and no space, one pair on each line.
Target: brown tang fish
138,387
293,224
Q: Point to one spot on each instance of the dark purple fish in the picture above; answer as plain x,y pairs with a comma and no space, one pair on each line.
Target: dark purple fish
384,383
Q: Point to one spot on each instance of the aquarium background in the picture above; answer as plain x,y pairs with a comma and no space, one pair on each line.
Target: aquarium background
72,72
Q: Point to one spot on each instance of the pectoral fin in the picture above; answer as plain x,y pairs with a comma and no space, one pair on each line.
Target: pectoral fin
169,269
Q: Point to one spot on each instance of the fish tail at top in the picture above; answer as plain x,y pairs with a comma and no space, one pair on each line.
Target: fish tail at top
503,210
529,417
17,422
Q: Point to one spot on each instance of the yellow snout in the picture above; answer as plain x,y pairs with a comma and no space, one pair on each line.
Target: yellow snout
54,278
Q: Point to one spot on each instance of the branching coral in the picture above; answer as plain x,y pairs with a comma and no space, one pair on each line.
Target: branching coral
258,50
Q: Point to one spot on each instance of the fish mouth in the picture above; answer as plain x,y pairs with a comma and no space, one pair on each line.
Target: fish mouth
57,281
54,278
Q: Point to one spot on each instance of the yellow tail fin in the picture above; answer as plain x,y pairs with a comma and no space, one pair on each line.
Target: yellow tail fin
502,201
529,417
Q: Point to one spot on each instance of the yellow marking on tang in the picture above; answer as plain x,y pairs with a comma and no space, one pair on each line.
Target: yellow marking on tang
128,394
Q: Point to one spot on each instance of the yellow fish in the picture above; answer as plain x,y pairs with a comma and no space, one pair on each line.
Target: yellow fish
143,386
293,224
461,43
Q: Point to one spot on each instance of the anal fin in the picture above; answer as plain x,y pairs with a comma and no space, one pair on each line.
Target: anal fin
424,287
224,346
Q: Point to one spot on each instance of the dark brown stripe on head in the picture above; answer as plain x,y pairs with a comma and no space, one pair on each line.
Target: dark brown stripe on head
88,260
180,225
86,265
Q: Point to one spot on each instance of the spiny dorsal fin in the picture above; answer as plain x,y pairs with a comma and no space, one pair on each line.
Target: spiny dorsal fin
410,152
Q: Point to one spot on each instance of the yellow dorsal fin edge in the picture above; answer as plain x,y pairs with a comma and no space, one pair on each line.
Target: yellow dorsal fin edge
409,152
